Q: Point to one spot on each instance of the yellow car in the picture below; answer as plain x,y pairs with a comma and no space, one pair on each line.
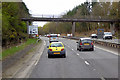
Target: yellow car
56,49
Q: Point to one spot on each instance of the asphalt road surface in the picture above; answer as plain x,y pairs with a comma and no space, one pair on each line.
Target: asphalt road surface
78,64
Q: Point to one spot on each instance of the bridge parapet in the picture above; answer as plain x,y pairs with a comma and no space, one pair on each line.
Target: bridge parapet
69,20
45,16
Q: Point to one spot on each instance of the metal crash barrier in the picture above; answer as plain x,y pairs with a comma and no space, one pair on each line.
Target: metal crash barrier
103,43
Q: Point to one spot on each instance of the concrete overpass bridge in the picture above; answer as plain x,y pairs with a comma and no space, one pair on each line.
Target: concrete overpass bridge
111,21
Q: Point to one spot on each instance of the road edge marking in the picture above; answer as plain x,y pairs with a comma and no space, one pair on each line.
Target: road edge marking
107,50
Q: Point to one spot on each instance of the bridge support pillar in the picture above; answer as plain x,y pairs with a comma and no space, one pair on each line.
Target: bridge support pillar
112,28
73,29
27,26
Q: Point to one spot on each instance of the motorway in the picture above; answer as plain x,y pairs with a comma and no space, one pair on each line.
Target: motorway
78,64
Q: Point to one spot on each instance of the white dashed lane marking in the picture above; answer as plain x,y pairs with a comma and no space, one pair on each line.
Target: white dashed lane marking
102,78
77,54
87,63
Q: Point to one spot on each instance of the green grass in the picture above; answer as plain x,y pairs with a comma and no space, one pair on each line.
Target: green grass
14,49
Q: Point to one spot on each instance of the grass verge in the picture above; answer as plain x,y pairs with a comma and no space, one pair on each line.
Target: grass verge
34,48
10,51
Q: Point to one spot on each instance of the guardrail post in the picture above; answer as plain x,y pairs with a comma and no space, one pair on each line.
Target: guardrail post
73,29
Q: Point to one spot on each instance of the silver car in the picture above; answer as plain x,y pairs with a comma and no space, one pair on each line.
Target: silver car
85,44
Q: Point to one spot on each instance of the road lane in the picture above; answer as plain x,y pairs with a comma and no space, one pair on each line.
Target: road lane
70,67
85,64
105,62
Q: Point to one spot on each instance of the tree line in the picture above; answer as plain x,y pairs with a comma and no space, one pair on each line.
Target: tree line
13,29
87,10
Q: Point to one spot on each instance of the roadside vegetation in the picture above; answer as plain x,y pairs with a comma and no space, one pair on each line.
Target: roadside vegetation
13,29
12,50
94,10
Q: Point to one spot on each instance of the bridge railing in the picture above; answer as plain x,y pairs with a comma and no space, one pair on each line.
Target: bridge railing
46,16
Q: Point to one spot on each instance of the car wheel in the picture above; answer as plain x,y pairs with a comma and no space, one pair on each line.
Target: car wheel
80,49
64,56
77,49
49,56
92,49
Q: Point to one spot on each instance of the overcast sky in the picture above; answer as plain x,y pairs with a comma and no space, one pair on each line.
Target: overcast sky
50,7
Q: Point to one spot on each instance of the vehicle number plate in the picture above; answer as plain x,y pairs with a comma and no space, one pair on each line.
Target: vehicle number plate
86,44
57,53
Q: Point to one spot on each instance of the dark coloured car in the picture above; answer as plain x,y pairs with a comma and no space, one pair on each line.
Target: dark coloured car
85,44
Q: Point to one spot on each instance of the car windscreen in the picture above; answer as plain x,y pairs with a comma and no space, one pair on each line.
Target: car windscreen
86,40
108,33
56,45
93,35
54,36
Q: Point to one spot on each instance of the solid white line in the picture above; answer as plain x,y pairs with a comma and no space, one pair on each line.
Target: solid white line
72,49
36,62
107,50
102,78
87,63
44,43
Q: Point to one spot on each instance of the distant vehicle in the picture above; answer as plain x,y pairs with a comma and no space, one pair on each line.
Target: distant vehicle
107,35
56,49
85,43
48,35
69,35
45,35
64,36
58,35
53,38
93,35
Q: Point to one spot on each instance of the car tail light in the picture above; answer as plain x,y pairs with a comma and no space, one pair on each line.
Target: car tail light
50,49
80,43
62,49
92,43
